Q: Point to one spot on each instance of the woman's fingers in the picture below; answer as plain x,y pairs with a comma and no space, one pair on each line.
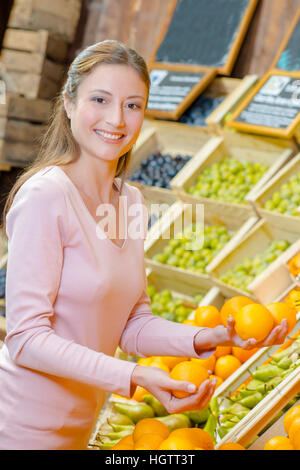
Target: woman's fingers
277,335
197,400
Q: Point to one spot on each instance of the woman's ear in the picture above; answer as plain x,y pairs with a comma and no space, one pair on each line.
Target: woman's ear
68,104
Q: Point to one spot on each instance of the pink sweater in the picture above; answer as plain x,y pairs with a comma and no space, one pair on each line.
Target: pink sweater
71,299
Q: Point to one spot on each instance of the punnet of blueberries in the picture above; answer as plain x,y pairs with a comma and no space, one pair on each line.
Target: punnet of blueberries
158,169
202,107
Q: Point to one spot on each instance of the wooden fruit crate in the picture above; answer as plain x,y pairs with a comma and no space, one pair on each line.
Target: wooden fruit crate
256,420
255,241
171,223
59,17
276,279
41,42
166,137
277,429
234,91
213,152
259,198
22,122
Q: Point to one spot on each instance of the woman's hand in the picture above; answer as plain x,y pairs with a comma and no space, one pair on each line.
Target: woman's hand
226,336
159,384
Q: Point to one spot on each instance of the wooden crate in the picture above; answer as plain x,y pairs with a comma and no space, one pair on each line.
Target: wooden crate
259,198
18,107
17,154
41,42
59,17
170,224
234,91
166,137
255,241
213,152
32,86
248,428
277,429
20,131
276,279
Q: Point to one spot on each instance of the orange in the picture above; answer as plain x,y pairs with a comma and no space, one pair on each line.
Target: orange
294,433
231,446
189,371
232,306
207,316
198,437
176,443
148,442
226,365
294,265
208,363
222,351
219,380
242,354
139,393
253,321
126,443
278,443
171,361
280,311
160,364
293,299
145,361
150,426
289,416
189,322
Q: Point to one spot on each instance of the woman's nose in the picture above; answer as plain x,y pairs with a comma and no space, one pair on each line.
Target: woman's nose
116,116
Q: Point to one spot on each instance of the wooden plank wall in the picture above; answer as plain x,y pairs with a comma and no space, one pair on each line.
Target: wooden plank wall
138,23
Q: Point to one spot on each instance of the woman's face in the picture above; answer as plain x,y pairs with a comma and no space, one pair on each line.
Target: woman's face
109,110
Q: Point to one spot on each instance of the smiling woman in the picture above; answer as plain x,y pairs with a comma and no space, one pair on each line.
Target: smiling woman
73,296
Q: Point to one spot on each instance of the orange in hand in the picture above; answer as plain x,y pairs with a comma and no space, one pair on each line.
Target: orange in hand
208,363
253,321
281,311
232,306
189,371
207,316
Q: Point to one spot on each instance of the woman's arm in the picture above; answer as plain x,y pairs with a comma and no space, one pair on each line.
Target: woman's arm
36,229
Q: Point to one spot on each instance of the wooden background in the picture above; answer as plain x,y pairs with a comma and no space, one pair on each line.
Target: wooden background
138,23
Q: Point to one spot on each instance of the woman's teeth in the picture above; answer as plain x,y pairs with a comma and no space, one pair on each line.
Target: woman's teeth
107,135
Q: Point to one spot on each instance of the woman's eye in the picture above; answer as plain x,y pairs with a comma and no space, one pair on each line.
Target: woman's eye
99,100
133,106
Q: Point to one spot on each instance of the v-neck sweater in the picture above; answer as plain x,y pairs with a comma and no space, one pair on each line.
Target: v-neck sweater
72,297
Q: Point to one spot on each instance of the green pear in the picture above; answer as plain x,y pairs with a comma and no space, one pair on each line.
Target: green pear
135,412
119,418
175,421
158,408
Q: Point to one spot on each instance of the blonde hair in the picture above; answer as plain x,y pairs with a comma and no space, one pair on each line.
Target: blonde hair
57,145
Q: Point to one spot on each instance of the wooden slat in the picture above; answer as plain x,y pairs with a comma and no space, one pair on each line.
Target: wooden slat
21,131
17,153
41,41
34,86
18,107
32,62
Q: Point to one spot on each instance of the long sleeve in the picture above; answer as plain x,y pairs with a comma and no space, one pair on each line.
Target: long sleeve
148,335
37,230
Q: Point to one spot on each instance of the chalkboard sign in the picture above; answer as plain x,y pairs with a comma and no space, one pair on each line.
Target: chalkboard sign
288,56
172,91
272,108
205,33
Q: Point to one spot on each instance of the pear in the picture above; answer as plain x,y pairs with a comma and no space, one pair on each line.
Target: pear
175,421
158,408
119,418
198,416
135,412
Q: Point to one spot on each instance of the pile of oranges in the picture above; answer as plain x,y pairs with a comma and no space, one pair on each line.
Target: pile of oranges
292,428
252,320
151,434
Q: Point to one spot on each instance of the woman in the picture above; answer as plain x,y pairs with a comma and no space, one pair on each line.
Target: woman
74,291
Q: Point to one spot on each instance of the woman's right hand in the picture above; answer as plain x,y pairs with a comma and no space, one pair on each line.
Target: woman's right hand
159,384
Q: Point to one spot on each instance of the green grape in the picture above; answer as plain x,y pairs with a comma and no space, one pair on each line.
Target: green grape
286,199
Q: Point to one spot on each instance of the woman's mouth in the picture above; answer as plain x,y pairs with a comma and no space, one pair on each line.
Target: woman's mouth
109,136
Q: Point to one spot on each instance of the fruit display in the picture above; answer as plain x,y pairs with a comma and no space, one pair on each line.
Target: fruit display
291,441
166,305
294,265
287,199
293,298
230,410
158,169
186,252
201,108
230,180
241,275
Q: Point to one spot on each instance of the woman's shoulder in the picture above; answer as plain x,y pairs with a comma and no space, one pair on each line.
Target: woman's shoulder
43,186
